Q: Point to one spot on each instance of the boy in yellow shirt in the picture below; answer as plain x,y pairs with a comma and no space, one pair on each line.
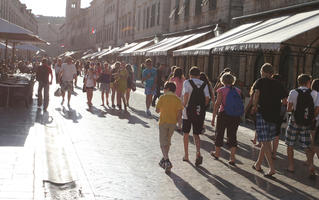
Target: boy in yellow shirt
170,108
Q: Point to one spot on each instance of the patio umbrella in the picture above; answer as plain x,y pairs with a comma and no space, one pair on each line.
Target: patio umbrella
10,32
15,33
29,47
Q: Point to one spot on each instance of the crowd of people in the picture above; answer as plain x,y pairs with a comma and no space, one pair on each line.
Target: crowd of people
184,103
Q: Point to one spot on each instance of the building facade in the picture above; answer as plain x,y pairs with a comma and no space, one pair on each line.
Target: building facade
192,14
17,13
49,31
113,23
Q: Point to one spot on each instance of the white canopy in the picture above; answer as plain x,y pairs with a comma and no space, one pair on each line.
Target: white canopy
3,46
108,52
173,43
262,35
136,47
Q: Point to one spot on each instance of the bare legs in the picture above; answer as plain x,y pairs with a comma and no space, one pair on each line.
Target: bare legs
197,143
106,98
89,95
265,151
128,94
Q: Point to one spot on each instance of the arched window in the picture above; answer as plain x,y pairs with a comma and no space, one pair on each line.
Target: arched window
315,65
260,60
286,70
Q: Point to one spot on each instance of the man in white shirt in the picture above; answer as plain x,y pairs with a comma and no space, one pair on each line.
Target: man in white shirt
298,126
67,74
190,118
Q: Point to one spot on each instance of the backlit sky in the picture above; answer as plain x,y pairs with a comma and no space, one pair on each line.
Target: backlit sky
50,7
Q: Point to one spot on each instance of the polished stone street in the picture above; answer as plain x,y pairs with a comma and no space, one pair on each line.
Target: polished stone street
105,153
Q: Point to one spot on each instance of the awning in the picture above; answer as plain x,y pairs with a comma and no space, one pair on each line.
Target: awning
89,55
136,47
15,33
100,53
174,43
125,47
108,52
262,35
3,46
161,48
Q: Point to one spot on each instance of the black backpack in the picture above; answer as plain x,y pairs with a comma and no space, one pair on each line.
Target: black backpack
305,111
196,107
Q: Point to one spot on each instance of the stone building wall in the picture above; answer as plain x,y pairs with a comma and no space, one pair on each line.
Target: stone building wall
17,13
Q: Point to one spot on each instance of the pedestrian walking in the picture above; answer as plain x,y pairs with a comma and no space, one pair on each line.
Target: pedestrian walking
204,78
113,83
178,78
160,82
121,82
230,107
130,83
252,116
44,77
283,111
105,80
67,74
57,69
169,106
268,94
315,133
195,99
77,66
301,102
89,83
150,78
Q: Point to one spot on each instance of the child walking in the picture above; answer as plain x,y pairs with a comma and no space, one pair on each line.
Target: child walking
170,107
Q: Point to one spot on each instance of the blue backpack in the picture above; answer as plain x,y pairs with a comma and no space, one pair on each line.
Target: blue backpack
234,104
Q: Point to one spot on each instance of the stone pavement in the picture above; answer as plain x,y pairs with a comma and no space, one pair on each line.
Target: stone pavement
114,155
18,179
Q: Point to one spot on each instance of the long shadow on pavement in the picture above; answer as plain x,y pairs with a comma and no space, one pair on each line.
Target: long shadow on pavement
270,188
132,119
69,114
227,188
43,118
15,124
251,153
186,189
98,112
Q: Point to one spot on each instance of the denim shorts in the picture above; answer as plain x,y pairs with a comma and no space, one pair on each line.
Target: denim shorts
149,91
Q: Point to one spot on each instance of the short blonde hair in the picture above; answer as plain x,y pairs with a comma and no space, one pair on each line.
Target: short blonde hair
228,79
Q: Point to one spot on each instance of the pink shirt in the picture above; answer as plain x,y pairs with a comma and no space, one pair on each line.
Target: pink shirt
224,92
179,85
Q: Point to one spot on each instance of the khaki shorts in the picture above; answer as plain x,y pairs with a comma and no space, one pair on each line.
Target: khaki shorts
165,133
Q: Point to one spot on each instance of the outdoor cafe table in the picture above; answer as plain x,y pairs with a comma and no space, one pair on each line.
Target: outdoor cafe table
10,84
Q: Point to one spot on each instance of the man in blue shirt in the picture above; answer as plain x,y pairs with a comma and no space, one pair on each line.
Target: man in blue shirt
149,75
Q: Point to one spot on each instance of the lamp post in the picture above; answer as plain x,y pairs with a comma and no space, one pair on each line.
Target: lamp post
156,39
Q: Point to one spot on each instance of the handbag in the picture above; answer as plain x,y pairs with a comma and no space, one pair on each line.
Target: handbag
58,92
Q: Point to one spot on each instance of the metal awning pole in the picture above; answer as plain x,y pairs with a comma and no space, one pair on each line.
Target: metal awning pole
6,53
13,51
